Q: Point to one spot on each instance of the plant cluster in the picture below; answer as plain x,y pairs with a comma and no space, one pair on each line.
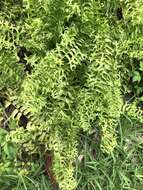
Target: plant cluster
66,67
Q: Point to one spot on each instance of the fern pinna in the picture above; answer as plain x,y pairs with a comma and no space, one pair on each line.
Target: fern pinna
62,69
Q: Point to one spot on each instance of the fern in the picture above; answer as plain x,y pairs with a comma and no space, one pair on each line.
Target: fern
65,66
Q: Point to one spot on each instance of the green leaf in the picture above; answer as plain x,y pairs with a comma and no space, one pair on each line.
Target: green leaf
10,150
2,135
141,66
136,76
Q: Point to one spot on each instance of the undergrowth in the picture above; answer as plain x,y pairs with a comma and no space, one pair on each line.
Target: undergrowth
120,170
68,68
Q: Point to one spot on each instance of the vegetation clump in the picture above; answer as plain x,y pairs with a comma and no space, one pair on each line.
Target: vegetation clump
67,68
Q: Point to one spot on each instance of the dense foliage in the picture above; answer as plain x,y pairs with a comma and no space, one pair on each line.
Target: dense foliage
67,67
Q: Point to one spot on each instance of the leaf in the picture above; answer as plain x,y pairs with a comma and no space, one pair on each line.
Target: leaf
136,76
2,135
10,150
141,66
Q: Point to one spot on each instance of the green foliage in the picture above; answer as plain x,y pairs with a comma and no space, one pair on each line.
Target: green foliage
120,170
65,67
